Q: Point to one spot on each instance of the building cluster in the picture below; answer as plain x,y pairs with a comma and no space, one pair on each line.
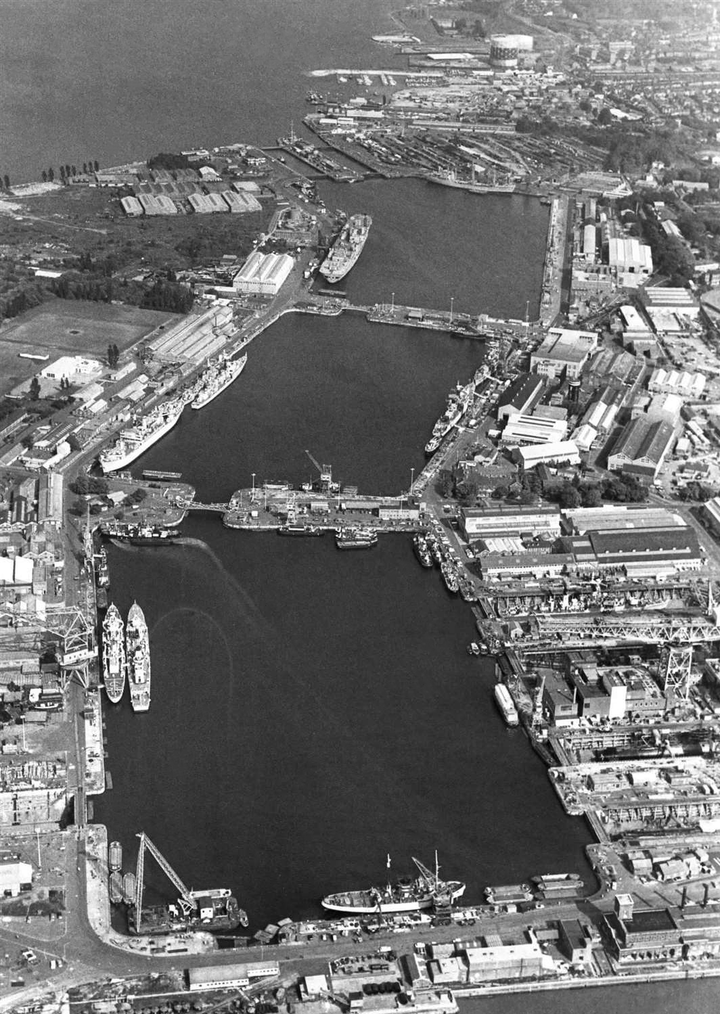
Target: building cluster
605,256
516,542
107,397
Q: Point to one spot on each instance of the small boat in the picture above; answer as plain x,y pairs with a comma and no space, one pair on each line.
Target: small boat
473,648
115,855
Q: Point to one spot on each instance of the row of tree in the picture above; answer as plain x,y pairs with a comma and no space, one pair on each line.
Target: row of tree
67,171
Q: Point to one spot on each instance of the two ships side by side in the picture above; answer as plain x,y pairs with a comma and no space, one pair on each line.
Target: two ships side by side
126,656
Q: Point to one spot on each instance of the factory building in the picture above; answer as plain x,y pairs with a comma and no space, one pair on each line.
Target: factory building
620,518
629,257
589,243
157,205
263,274
664,406
512,522
584,437
601,413
529,429
683,383
556,452
563,353
207,204
537,565
650,936
504,961
659,552
240,203
642,447
521,397
131,206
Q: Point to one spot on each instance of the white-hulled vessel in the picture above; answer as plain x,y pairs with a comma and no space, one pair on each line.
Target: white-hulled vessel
114,667
135,440
506,704
218,378
347,248
138,658
425,891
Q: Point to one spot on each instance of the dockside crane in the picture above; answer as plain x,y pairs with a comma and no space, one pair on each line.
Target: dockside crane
185,900
206,906
326,483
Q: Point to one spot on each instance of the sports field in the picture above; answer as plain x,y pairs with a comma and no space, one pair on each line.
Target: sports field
69,327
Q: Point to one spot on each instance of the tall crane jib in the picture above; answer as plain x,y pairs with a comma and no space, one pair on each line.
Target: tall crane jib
212,909
326,480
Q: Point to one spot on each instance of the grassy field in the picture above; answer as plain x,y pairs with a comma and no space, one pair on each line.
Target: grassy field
68,327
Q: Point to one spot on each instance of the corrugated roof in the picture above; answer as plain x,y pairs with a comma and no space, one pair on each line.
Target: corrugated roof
667,541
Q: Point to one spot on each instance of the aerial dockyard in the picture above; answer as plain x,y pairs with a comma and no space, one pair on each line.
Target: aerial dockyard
569,503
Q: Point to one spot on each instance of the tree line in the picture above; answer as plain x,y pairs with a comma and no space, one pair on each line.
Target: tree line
67,171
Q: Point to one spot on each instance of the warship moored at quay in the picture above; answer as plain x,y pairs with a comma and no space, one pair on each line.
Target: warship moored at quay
114,663
138,534
138,659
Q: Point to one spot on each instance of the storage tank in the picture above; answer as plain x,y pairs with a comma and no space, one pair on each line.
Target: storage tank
503,51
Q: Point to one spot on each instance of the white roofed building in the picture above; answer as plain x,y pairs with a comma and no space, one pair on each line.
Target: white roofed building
13,877
554,453
530,429
263,274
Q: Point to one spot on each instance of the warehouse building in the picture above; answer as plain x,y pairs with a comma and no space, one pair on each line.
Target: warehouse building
537,565
160,205
504,961
556,452
512,522
131,206
602,412
207,204
630,258
521,397
660,551
531,429
619,518
240,203
263,274
642,447
680,382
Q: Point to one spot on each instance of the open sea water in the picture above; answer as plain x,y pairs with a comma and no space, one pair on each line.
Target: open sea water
312,710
